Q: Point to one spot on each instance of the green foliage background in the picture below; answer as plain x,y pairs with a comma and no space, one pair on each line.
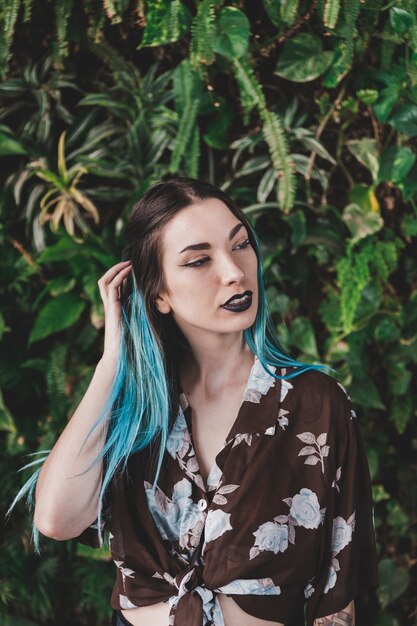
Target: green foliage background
306,113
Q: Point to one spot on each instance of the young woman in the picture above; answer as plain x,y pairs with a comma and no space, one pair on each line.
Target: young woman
232,478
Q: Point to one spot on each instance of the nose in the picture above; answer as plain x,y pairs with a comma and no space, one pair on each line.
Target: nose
230,270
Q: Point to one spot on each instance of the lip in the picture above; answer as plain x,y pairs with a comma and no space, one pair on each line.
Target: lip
240,295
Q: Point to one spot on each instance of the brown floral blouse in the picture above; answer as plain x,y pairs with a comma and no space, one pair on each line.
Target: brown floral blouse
284,525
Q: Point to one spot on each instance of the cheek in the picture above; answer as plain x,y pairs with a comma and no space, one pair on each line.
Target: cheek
190,289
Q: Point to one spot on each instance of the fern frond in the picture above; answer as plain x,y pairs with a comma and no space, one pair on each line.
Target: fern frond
250,92
352,277
375,260
111,11
344,60
104,51
202,35
174,23
8,17
273,129
96,19
289,11
185,129
63,9
27,10
165,22
331,13
192,160
275,137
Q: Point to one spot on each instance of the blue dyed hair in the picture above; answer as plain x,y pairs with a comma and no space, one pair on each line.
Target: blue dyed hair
144,398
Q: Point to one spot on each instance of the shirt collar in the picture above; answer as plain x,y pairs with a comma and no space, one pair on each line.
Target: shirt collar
259,409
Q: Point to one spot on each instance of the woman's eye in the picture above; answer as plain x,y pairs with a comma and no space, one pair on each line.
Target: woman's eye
196,263
200,262
245,244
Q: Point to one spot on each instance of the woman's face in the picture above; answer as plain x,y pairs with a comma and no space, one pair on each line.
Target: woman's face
200,280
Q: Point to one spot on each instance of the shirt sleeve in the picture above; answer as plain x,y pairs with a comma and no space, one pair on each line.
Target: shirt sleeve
350,558
91,537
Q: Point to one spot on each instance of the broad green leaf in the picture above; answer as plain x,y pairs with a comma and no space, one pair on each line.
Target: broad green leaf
396,162
402,411
66,249
399,377
232,33
253,165
103,100
217,128
3,325
326,235
367,96
6,418
401,20
394,581
61,251
365,197
297,221
58,314
10,146
388,97
302,336
373,461
408,226
91,287
360,222
303,58
379,493
266,184
370,301
387,329
273,11
366,394
60,285
278,302
404,119
367,152
397,518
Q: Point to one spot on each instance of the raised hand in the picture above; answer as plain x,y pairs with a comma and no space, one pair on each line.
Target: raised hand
110,285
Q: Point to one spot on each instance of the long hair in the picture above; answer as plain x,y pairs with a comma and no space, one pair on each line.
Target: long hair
144,399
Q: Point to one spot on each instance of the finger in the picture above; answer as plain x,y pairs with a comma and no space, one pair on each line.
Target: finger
113,271
113,288
121,276
105,281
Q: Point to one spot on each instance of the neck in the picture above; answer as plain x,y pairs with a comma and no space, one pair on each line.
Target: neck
214,367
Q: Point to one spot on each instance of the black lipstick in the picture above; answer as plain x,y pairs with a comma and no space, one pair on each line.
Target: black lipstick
239,302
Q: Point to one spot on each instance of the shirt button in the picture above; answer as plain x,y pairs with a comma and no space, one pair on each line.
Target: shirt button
202,504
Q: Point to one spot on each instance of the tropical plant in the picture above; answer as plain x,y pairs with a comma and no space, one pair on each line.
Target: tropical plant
305,112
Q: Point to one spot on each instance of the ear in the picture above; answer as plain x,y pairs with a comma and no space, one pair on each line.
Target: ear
162,305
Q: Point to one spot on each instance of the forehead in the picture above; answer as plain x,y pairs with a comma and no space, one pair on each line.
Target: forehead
209,219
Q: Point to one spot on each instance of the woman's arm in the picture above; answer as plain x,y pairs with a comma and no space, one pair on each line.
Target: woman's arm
341,618
67,503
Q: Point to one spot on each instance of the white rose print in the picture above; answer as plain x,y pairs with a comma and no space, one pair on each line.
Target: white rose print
341,535
274,536
217,523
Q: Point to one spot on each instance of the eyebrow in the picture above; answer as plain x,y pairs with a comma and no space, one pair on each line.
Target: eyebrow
206,246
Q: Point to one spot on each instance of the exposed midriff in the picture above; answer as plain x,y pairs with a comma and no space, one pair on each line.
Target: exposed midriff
157,614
